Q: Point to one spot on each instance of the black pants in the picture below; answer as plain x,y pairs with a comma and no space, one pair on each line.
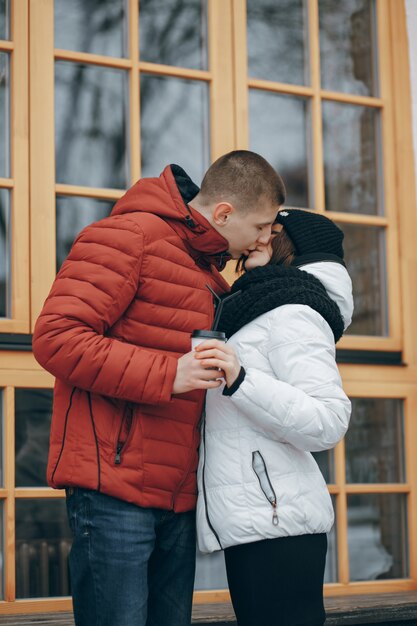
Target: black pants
278,582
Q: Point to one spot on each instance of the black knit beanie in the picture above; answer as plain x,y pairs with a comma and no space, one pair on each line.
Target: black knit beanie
312,234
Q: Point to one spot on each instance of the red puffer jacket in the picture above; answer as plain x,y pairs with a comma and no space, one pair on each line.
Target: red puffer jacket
118,317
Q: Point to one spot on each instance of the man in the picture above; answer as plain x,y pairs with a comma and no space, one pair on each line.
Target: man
115,332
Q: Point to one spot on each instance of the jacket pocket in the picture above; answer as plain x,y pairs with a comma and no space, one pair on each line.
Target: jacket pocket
124,433
259,467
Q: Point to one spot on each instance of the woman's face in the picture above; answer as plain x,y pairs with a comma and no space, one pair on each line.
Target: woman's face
262,253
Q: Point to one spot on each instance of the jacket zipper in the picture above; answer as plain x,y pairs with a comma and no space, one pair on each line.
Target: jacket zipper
90,405
179,487
204,488
65,432
259,467
126,422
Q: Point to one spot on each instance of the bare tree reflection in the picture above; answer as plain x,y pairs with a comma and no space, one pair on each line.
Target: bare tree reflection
174,32
347,45
4,252
96,26
4,19
4,115
277,38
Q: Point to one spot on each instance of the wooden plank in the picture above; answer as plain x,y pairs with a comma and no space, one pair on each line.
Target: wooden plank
42,152
222,134
393,609
316,169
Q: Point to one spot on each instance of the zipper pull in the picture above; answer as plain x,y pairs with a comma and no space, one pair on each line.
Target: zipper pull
275,514
118,457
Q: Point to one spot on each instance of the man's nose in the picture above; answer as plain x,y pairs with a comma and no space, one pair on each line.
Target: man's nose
264,237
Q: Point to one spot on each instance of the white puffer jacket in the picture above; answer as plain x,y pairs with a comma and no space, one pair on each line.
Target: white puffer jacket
257,479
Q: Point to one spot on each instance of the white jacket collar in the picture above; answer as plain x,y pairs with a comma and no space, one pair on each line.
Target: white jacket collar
338,284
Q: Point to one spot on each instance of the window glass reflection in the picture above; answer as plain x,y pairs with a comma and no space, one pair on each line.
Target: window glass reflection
377,536
278,131
33,408
347,46
5,277
365,256
4,19
352,158
374,442
174,125
210,571
1,440
330,572
4,116
325,461
174,32
43,542
2,537
72,215
277,40
95,26
91,125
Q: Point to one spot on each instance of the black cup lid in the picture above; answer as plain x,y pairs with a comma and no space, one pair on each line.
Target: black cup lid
209,334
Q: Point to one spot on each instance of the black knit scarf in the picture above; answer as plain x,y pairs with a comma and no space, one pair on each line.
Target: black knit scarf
266,288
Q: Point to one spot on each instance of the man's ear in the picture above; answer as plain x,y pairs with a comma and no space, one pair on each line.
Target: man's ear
222,213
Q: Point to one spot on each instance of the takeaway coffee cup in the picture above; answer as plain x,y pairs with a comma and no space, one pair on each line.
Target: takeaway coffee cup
198,336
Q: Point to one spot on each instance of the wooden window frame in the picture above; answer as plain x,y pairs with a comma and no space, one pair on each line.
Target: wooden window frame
18,182
42,141
229,115
316,95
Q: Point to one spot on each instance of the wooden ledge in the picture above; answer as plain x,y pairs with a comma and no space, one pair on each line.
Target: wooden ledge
386,609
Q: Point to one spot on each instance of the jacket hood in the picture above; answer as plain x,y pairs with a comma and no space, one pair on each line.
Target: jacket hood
338,284
167,197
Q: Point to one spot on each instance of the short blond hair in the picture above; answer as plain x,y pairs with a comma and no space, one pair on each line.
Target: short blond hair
244,179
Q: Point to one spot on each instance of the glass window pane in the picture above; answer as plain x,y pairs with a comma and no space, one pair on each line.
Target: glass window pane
2,538
4,19
210,571
348,46
377,536
374,442
365,256
4,116
278,131
72,215
43,541
91,125
33,409
277,41
1,439
352,158
5,271
95,26
325,461
330,572
174,32
174,125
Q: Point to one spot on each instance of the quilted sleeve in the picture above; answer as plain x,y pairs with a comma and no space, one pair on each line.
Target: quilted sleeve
93,288
303,402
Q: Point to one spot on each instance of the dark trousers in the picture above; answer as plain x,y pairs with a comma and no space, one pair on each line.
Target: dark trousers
278,582
129,566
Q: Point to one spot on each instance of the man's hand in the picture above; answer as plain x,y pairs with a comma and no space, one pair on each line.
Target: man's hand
214,353
193,374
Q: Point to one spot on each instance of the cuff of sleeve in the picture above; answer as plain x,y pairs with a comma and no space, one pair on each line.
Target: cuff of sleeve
229,391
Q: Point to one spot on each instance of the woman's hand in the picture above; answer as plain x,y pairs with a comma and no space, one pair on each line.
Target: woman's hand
221,356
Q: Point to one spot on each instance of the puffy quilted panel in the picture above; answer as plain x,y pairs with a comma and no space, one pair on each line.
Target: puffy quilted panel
118,316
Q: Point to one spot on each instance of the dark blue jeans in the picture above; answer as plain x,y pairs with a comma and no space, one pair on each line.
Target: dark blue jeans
129,566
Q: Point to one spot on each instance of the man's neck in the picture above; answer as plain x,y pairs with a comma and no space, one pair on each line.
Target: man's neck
205,211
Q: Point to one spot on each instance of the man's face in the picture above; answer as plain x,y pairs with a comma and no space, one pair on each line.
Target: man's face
244,231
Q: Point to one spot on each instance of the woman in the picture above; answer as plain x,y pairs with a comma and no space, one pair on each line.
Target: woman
262,496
